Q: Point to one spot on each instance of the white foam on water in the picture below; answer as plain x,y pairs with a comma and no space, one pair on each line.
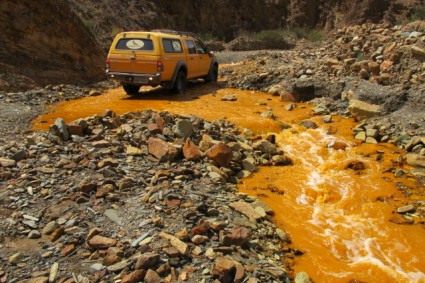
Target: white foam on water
346,234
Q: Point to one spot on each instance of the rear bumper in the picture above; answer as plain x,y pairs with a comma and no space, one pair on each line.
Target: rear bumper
136,79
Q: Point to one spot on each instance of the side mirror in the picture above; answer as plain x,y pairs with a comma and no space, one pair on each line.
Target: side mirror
211,53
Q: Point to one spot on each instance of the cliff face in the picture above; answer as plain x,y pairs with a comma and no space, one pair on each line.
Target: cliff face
226,19
57,41
43,42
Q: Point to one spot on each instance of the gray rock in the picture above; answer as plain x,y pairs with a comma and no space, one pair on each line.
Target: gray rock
60,123
112,215
183,129
265,147
406,208
249,164
327,119
34,234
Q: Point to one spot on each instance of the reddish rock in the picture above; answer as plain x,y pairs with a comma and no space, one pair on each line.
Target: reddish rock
152,277
224,270
107,162
115,251
237,236
154,129
287,97
190,151
161,124
93,232
147,261
134,277
74,129
87,187
172,202
57,234
67,250
201,229
104,191
172,252
221,154
100,242
161,149
111,259
386,65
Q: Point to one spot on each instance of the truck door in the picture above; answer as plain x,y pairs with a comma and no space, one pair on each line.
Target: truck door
192,59
204,59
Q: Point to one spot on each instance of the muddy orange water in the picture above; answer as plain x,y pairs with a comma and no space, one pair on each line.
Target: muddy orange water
331,213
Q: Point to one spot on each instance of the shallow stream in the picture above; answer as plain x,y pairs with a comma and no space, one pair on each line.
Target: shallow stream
339,217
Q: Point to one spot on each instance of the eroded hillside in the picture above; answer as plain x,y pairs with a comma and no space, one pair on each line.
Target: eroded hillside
43,42
227,19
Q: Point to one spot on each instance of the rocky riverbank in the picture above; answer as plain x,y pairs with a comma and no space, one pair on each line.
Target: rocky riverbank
143,195
152,195
374,73
17,109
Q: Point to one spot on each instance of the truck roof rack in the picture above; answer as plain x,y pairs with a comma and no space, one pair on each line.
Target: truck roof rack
175,32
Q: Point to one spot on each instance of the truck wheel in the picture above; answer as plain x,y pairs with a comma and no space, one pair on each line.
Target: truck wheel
180,83
131,89
212,75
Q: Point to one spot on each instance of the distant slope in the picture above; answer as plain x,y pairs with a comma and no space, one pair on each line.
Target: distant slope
226,19
44,42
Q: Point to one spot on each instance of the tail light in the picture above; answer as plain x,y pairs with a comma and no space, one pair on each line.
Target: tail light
160,66
108,62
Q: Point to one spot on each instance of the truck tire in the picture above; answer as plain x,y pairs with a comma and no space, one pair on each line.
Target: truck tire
180,83
131,89
212,75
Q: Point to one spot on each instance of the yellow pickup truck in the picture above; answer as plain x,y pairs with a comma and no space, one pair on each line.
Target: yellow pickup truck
161,57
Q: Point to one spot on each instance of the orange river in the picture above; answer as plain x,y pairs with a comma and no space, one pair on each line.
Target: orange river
334,215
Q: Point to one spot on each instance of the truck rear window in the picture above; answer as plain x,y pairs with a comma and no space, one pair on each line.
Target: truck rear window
135,44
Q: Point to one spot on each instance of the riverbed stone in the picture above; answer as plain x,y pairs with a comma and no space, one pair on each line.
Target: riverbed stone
184,129
100,242
406,208
220,153
303,277
246,209
414,159
361,109
190,151
147,260
237,236
265,147
134,277
63,129
6,162
161,149
152,277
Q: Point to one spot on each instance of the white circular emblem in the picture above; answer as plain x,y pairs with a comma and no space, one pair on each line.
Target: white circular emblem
177,46
135,44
